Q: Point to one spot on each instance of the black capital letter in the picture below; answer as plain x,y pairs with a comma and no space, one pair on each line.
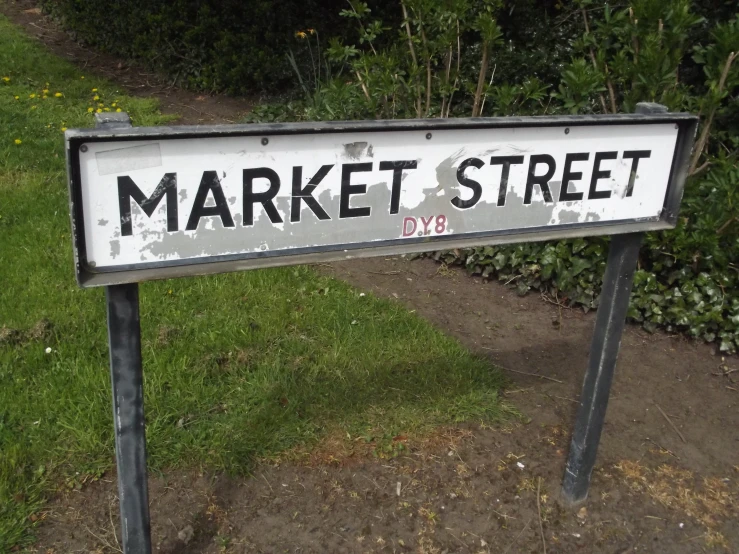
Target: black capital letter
569,175
457,202
541,180
635,156
507,161
209,182
397,167
598,174
127,191
265,198
306,193
347,189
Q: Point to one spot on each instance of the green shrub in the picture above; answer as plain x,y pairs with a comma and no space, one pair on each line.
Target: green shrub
214,45
456,59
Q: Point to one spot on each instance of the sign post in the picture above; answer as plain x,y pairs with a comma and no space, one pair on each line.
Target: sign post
127,380
161,202
610,319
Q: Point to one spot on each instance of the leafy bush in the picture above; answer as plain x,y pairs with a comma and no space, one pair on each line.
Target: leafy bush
218,45
455,59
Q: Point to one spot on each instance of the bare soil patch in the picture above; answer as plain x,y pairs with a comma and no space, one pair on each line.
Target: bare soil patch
657,488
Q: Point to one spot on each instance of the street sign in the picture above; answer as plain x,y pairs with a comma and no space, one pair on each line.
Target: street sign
165,202
150,203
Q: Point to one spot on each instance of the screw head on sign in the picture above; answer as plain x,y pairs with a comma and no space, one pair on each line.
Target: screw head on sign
567,131
428,136
83,148
265,141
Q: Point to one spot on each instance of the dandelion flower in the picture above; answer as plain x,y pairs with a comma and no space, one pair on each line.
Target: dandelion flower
106,109
90,110
33,107
94,90
18,141
58,94
32,95
82,76
301,34
312,31
45,91
113,105
6,79
118,109
64,129
99,110
96,98
48,349
16,97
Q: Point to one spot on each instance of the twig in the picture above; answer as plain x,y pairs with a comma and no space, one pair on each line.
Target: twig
449,530
703,139
670,422
531,374
202,112
265,480
102,540
515,539
484,96
658,445
112,526
726,371
538,507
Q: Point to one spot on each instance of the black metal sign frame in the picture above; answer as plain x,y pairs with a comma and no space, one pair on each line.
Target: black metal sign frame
88,275
122,299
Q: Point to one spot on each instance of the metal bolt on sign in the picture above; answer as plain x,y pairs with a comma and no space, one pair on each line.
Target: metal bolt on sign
385,189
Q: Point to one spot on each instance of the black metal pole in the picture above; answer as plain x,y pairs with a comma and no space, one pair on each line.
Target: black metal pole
609,325
127,380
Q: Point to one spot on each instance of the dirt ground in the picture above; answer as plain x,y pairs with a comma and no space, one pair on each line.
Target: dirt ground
666,480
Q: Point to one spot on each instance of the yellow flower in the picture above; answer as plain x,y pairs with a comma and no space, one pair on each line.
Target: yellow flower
6,79
16,97
106,109
58,94
301,34
44,97
18,141
118,109
100,104
90,110
33,107
82,76
96,98
99,110
94,90
32,95
312,31
64,129
45,91
113,105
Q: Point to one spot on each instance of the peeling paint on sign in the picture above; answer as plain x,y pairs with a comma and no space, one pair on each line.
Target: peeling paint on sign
185,199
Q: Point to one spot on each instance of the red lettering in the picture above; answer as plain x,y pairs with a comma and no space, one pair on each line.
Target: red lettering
426,224
440,224
406,231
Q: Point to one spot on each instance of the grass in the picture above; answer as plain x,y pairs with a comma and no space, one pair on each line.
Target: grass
238,367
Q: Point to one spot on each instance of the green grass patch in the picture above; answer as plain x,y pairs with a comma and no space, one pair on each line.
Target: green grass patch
237,367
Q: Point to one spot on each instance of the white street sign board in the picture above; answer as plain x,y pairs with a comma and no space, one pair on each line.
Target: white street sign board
162,202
